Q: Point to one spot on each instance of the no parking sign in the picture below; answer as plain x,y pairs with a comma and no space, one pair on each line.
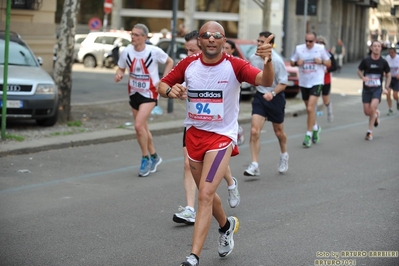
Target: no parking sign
95,24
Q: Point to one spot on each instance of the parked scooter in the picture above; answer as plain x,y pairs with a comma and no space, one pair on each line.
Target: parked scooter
111,59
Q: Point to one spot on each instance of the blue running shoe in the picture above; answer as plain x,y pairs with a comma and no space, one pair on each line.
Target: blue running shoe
154,164
145,167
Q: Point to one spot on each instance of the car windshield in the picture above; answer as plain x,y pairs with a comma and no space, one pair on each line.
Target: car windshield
282,57
18,54
248,49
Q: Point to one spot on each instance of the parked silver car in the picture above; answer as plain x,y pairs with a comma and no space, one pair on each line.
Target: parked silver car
97,44
180,53
31,91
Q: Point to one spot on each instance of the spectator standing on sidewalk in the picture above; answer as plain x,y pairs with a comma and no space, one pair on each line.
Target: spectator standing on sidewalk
212,87
268,103
393,62
187,214
325,92
372,70
339,53
142,61
311,58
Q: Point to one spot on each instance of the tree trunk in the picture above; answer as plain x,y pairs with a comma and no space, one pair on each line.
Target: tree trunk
267,5
64,60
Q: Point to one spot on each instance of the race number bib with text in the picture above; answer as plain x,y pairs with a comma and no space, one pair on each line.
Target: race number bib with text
374,80
205,105
139,83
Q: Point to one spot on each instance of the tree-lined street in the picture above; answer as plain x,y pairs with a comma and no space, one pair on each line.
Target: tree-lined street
86,205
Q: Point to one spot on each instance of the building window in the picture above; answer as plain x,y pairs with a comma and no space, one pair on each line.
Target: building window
153,4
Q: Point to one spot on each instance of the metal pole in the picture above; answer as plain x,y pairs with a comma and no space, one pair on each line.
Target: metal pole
305,15
172,43
5,72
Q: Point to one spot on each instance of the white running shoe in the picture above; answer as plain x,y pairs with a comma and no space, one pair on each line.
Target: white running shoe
283,165
252,170
190,261
226,241
184,216
234,195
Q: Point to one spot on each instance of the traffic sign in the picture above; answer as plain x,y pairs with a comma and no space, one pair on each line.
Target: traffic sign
107,6
95,24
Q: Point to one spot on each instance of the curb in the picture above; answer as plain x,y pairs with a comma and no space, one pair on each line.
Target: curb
113,135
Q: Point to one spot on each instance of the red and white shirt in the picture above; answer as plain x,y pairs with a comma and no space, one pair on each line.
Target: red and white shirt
213,91
310,73
143,69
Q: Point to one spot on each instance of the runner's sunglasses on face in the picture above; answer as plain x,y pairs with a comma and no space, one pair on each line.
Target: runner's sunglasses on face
207,35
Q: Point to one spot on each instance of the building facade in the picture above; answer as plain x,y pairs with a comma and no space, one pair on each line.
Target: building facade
334,19
383,23
348,20
34,21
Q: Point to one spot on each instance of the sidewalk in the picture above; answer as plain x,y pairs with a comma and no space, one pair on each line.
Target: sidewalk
294,107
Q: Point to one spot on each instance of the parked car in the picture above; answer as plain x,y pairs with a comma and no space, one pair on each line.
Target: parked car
79,38
31,92
385,50
97,44
164,44
246,48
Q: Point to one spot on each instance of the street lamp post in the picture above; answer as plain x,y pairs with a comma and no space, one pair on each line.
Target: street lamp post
172,43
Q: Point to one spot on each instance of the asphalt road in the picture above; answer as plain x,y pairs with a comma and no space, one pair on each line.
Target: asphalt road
96,85
86,205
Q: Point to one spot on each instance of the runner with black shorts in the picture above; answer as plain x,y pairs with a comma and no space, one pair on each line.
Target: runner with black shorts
311,58
142,61
372,70
268,104
393,62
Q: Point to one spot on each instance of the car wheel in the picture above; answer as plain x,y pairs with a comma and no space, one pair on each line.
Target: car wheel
48,122
89,61
109,62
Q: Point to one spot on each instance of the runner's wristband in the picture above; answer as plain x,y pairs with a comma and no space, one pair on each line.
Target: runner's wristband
168,91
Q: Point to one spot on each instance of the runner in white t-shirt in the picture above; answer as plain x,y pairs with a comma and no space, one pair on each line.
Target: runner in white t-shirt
311,59
393,62
212,90
142,61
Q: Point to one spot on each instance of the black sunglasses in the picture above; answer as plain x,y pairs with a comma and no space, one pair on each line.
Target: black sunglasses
207,35
309,41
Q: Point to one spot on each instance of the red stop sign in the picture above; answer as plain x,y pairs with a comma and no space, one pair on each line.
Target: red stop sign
107,6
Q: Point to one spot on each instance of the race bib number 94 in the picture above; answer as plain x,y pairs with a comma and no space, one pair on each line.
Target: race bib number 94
205,105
